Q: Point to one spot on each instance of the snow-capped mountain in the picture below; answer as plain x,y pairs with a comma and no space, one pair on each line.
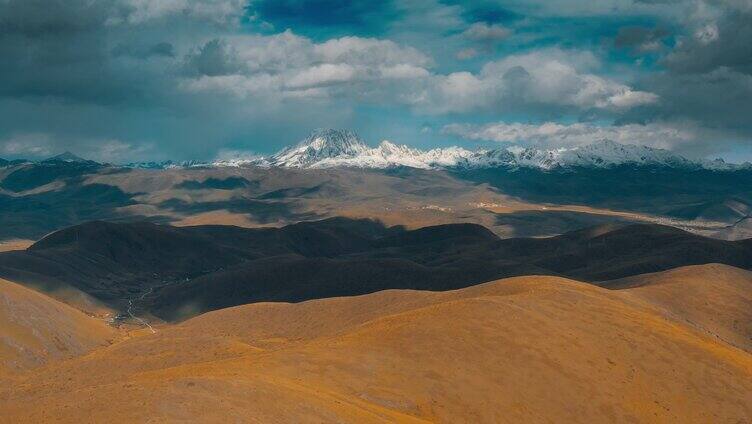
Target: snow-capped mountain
602,154
333,148
329,148
169,164
320,146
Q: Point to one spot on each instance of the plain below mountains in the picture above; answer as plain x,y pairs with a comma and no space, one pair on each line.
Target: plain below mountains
177,272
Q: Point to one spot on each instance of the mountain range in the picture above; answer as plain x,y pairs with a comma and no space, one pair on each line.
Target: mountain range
331,148
328,148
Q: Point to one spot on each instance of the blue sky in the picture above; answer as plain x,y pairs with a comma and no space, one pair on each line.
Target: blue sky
123,80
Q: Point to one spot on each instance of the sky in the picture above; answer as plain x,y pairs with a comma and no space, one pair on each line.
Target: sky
133,80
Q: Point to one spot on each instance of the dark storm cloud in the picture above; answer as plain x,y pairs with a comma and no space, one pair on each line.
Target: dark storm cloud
725,43
641,38
58,49
708,76
47,18
139,51
212,59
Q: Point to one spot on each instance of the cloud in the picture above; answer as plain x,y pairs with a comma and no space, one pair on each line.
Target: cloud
720,43
44,145
161,49
214,58
707,76
641,39
482,38
189,77
290,66
553,134
467,53
221,12
551,77
486,33
27,145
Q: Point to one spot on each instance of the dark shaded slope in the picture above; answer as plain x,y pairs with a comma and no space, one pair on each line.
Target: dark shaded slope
678,192
596,254
115,262
450,257
188,270
32,176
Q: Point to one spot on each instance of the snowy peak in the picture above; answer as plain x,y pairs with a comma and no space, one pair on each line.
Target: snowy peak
609,153
321,145
330,148
67,157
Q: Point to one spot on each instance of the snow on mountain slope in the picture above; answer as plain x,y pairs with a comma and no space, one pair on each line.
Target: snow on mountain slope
321,145
334,148
329,148
599,155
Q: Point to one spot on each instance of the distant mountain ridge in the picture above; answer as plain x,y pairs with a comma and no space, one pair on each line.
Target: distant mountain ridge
332,148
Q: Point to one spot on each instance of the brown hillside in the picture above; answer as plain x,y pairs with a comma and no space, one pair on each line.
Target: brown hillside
36,329
715,298
526,349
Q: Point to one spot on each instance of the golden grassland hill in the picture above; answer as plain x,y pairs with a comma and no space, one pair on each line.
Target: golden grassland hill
716,298
524,349
35,329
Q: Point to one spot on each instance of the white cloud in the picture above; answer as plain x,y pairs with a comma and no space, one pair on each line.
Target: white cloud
115,151
467,53
552,134
707,34
327,73
545,77
216,11
629,98
44,145
480,31
370,51
27,145
286,65
234,155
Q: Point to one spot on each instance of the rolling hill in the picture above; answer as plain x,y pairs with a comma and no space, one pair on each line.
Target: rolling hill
714,298
177,272
525,349
36,329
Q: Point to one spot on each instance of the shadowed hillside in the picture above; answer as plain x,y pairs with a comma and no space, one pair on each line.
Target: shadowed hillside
177,272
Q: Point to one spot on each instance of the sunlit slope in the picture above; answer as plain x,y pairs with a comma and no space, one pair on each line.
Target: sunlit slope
527,349
36,329
715,298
